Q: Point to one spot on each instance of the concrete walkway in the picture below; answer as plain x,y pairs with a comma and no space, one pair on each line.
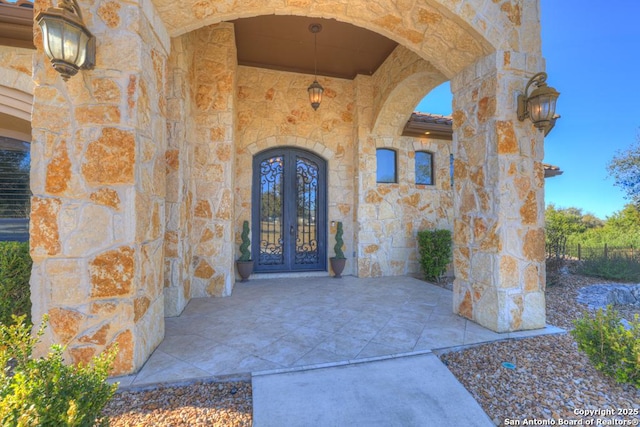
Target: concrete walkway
327,352
408,391
277,324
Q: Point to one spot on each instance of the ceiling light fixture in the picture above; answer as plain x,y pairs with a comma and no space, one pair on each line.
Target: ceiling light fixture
315,89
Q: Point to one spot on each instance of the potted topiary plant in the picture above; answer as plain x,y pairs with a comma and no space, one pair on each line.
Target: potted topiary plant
338,261
244,264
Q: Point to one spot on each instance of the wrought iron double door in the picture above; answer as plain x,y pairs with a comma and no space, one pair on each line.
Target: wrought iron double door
289,211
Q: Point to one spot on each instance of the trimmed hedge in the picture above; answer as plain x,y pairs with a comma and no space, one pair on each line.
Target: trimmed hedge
15,271
434,247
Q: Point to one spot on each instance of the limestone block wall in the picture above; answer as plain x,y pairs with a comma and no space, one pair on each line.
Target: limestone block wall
98,183
178,250
392,214
498,197
273,110
104,142
16,68
213,71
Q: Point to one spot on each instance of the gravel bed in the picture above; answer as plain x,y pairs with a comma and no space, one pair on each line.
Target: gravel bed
201,404
550,381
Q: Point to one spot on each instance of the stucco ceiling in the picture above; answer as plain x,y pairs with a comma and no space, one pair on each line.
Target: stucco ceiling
285,43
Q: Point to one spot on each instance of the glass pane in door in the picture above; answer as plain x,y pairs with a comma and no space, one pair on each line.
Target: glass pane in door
306,250
271,212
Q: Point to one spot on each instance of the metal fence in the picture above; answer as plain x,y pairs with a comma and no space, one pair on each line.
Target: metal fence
561,250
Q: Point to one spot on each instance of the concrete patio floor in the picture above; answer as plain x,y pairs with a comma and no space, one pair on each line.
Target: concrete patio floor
288,323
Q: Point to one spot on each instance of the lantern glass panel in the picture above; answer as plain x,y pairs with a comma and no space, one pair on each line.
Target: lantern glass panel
540,108
72,36
52,31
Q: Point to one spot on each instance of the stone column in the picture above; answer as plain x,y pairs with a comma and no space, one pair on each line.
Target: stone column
365,179
178,250
498,197
98,183
214,76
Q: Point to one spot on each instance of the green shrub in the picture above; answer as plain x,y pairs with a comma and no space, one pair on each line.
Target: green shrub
337,248
15,271
434,247
611,348
245,254
46,392
614,267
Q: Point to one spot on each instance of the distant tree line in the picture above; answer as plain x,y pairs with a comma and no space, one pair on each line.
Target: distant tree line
570,227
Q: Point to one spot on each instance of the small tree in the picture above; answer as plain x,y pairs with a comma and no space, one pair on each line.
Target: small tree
625,170
559,225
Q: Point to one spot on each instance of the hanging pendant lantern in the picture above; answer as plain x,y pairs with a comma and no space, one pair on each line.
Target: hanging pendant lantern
315,89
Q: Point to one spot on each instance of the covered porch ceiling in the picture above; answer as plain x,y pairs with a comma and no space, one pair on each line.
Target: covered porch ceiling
284,42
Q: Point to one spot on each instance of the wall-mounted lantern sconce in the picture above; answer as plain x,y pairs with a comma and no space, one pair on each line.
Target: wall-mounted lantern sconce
66,41
315,89
540,105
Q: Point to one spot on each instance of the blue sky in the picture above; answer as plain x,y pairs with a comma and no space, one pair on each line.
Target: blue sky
592,52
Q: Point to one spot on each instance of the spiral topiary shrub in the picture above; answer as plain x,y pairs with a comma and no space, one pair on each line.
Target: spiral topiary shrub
337,248
245,254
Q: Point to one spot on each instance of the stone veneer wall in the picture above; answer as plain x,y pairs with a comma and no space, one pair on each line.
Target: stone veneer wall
178,251
392,214
213,91
99,159
98,183
199,244
498,197
273,110
15,68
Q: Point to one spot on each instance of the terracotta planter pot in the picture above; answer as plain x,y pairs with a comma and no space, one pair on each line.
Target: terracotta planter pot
337,265
245,268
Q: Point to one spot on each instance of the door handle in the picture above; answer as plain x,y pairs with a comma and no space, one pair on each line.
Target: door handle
291,230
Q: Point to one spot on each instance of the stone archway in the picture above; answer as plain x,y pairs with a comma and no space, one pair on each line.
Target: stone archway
400,210
430,28
172,124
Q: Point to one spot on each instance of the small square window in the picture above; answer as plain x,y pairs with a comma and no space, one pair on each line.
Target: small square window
386,166
424,168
